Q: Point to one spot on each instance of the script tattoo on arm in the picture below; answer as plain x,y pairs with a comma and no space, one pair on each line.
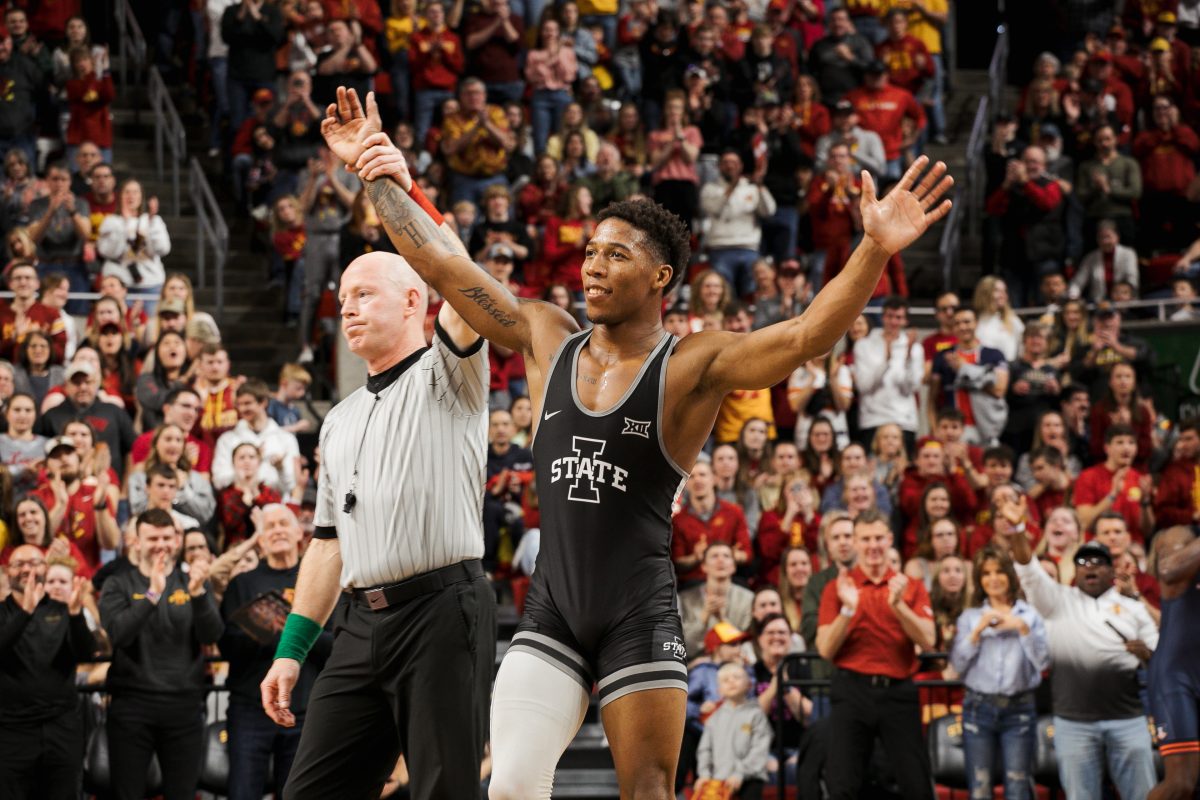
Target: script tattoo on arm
479,296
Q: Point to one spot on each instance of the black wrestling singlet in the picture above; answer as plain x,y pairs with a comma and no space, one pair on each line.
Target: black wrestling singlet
605,486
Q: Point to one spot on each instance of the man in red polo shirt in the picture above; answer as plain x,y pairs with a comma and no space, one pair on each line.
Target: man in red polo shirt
870,618
1116,486
706,520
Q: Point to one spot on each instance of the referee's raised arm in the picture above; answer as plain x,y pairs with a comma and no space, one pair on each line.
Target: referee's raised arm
413,225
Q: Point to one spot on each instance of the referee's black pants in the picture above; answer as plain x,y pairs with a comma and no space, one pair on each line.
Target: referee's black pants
42,759
864,708
413,678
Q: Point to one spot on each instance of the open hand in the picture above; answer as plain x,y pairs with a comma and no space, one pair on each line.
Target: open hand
197,575
847,591
347,125
899,219
79,590
276,690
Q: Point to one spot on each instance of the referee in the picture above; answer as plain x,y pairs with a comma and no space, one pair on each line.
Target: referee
398,519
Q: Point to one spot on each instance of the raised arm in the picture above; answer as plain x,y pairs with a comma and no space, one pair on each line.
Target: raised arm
353,134
769,355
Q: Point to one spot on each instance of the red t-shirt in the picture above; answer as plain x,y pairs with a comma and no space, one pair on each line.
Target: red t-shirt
218,415
727,524
141,451
936,343
41,317
1096,482
79,522
876,644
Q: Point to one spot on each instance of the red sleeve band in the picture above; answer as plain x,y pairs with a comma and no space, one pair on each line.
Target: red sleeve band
420,199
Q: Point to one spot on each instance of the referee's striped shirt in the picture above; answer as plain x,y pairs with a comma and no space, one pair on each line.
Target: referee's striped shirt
421,458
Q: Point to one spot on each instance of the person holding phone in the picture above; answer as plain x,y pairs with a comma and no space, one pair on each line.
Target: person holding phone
1099,638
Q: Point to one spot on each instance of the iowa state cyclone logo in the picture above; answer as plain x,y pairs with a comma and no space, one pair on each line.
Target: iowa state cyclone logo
588,471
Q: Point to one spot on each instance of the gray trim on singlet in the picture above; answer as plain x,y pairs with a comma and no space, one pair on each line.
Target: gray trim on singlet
546,385
634,384
662,394
638,669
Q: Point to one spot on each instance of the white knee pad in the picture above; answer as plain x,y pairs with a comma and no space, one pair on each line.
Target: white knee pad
536,711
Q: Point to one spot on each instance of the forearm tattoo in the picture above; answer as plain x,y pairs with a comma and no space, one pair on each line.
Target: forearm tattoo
402,216
406,220
479,296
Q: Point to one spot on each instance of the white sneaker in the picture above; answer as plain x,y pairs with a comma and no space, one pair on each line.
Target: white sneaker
306,355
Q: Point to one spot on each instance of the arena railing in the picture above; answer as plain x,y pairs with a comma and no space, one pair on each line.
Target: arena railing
211,231
998,70
968,199
131,46
168,133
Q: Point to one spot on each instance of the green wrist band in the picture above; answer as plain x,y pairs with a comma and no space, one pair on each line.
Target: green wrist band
299,635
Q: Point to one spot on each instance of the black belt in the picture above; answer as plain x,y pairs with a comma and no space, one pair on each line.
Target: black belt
874,681
381,597
1002,700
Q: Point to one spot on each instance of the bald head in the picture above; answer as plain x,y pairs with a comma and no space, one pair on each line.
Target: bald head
383,309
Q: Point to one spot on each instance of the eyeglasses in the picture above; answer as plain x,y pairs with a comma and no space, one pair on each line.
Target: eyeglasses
1092,561
33,562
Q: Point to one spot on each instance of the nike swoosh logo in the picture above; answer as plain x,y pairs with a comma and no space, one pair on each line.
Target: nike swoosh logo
550,414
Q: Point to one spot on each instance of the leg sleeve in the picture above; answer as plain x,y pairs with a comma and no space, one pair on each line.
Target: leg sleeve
536,711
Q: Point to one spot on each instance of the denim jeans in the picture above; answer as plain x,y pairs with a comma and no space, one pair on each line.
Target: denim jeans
1083,748
547,107
779,233
219,72
736,265
466,187
428,102
26,144
503,92
937,107
401,87
254,740
1014,729
239,94
77,278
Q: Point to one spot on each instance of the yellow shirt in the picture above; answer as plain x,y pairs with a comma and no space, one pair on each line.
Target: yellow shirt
597,7
919,25
398,31
482,157
738,408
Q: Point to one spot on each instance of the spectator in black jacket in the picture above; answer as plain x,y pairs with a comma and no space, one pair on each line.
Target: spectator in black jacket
24,81
838,60
158,617
41,642
253,30
254,740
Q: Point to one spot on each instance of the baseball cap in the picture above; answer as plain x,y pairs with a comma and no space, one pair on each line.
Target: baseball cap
500,250
789,268
1049,131
843,107
1105,309
57,442
1159,45
80,368
1093,548
723,633
1101,57
172,306
1116,32
263,97
875,67
1167,17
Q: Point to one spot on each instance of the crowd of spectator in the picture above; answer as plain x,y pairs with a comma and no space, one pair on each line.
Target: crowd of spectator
967,493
